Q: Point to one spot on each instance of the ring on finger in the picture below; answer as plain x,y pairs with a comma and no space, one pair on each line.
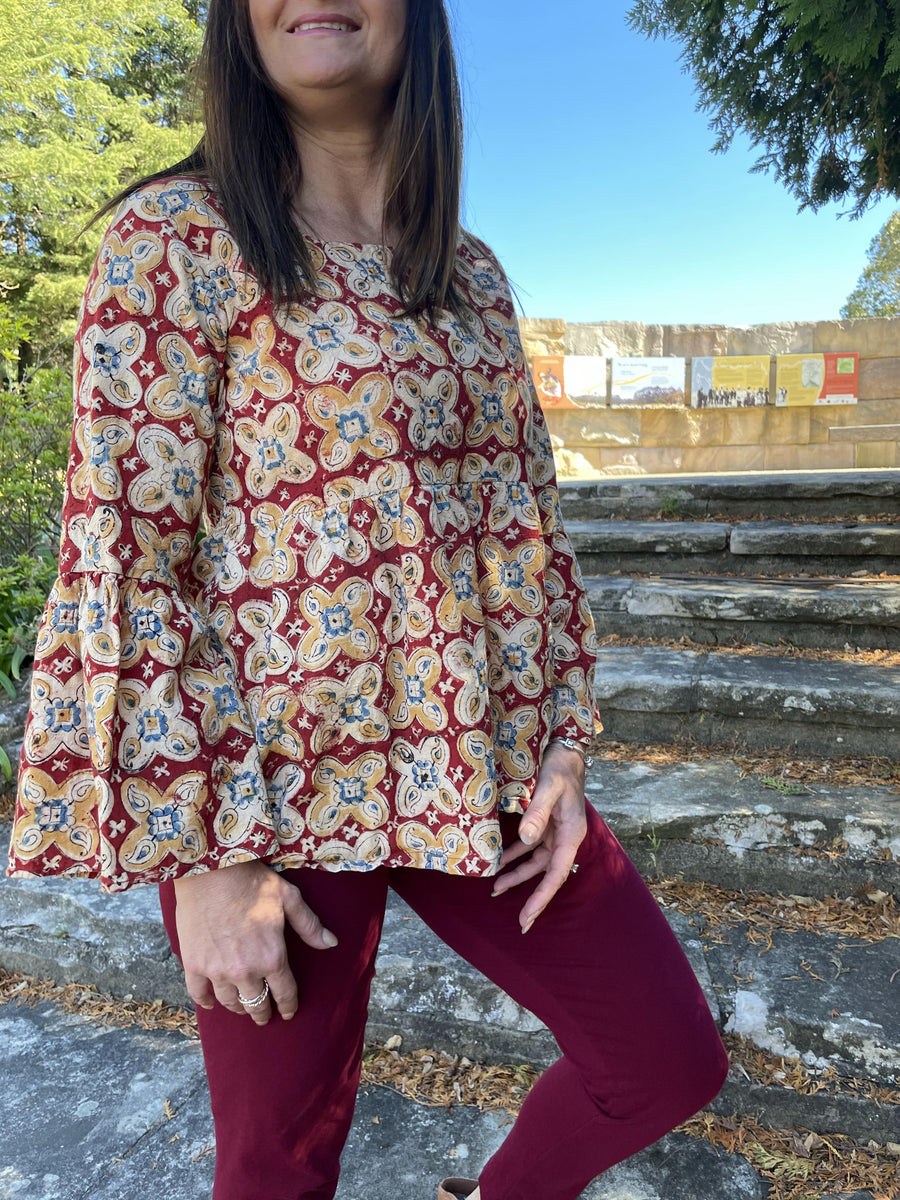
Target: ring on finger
255,1001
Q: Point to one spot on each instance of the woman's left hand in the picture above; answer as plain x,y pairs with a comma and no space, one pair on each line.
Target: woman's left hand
551,831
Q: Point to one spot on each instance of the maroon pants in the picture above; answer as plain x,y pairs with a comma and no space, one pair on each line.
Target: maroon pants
600,967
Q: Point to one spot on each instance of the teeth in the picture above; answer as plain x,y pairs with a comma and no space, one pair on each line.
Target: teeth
326,25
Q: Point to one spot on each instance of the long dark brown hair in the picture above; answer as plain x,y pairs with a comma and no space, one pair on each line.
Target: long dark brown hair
248,154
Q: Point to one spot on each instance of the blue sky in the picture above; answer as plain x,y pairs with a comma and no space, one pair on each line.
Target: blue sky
589,172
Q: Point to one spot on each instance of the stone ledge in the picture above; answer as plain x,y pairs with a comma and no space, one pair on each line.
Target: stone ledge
777,538
658,537
863,433
826,708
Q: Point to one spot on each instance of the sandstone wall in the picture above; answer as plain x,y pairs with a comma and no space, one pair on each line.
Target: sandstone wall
660,440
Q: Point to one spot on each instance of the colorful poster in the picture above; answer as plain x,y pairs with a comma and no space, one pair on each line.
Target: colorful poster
585,380
739,381
548,371
648,380
817,379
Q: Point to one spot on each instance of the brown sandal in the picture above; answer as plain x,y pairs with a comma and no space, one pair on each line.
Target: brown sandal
457,1189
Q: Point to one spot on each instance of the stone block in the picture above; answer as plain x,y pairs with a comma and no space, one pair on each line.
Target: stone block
682,427
642,461
690,340
873,337
876,454
572,464
701,460
779,337
744,426
873,412
820,457
600,427
879,378
825,417
786,426
864,433
540,336
612,338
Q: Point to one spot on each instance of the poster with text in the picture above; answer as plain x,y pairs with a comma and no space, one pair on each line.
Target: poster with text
548,371
648,380
739,381
817,379
585,380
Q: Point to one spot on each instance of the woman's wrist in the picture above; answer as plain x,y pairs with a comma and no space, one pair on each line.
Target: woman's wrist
571,744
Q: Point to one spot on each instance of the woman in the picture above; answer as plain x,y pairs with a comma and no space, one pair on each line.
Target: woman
318,626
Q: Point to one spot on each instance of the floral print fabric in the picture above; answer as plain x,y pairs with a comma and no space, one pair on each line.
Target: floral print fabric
315,605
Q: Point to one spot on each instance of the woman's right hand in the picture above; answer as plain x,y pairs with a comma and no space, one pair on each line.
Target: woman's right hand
231,933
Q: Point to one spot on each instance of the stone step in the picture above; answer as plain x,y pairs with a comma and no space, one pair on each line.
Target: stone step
757,548
711,821
100,1129
811,494
827,708
719,609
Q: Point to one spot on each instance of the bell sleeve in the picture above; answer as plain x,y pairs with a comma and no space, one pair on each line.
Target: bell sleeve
138,748
573,638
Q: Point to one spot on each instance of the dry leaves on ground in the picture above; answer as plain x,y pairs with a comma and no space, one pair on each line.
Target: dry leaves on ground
872,916
850,654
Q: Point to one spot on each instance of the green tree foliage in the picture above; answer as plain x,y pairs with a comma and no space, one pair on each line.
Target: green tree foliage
92,97
877,292
815,86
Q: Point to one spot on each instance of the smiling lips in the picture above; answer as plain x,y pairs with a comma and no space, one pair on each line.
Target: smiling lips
324,24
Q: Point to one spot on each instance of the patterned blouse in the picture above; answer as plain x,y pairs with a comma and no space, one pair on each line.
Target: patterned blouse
315,605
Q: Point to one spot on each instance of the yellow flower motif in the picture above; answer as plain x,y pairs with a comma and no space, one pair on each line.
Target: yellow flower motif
213,291
58,718
152,723
166,823
468,342
269,653
403,338
394,522
242,802
123,270
369,850
514,729
252,368
442,853
329,520
274,560
506,331
284,786
174,474
408,615
353,421
480,789
494,404
461,601
424,777
221,707
328,338
337,624
187,388
513,576
147,627
217,559
446,509
276,723
106,366
485,840
53,816
348,792
59,628
467,661
271,448
513,655
433,402
414,679
346,708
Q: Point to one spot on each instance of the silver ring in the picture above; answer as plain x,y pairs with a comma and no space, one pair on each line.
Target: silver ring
257,1000
573,868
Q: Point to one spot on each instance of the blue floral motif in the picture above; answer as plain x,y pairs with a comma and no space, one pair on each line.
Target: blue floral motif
64,617
462,585
435,859
225,699
334,525
506,735
96,617
184,481
324,336
53,815
415,689
107,359
166,823
355,709
223,283
173,201
512,575
145,624
193,386
390,504
424,774
353,425
153,725
119,270
492,407
62,716
336,621
241,789
515,657
352,789
204,295
271,454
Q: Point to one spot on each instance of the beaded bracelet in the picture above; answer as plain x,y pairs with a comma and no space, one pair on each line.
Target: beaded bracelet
571,744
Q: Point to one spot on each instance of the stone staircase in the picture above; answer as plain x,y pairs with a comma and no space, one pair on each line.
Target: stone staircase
781,892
